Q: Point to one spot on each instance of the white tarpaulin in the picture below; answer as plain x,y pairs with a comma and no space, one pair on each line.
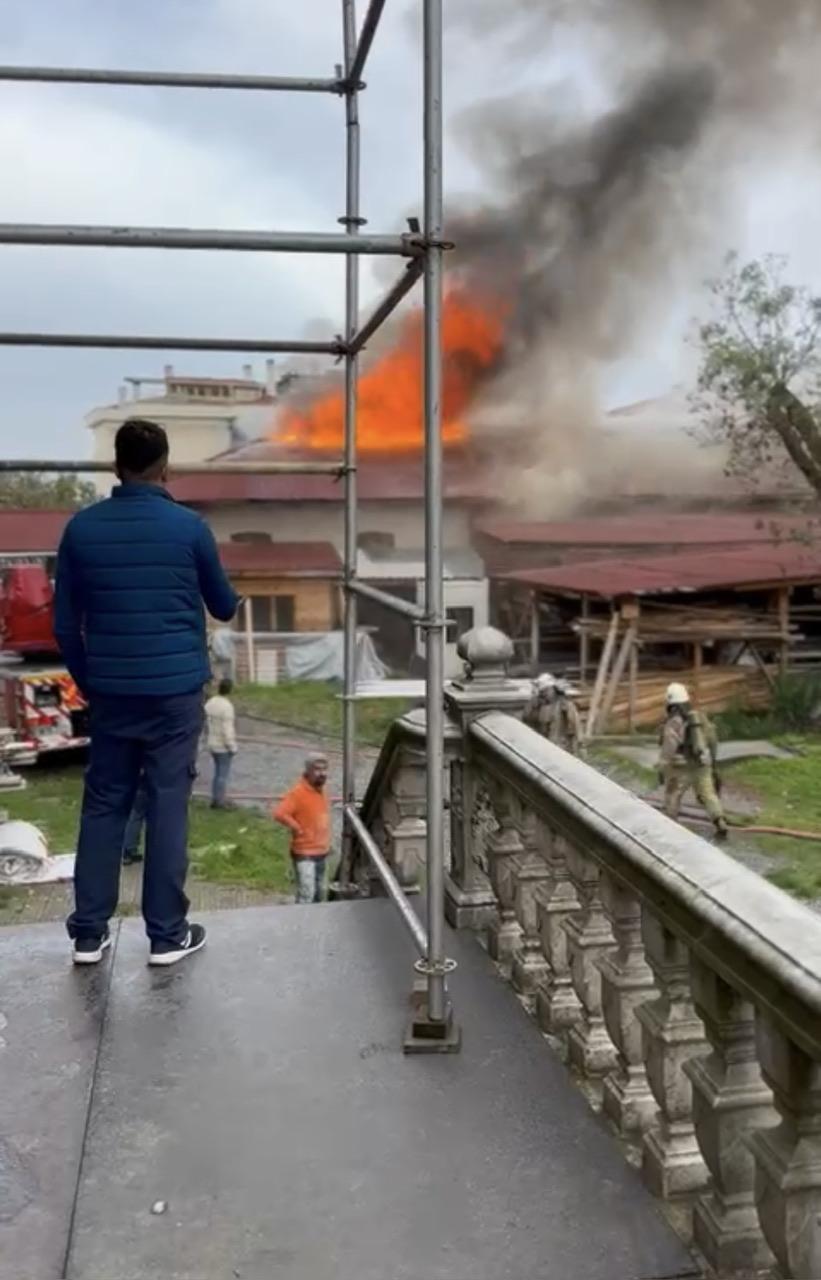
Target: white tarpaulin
321,657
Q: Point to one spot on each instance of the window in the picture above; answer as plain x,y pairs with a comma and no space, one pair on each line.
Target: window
285,612
261,613
459,621
273,613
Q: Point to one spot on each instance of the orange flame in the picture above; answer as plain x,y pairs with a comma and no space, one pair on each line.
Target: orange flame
390,417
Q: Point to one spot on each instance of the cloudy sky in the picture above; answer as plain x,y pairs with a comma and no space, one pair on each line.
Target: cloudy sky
115,155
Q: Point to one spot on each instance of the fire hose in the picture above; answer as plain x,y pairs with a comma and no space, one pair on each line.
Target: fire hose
752,829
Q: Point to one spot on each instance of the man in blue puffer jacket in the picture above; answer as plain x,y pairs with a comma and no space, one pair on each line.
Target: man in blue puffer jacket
133,574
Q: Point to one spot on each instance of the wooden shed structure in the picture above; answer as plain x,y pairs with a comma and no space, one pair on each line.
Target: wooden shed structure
723,620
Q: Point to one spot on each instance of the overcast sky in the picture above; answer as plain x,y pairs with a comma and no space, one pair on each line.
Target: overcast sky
202,159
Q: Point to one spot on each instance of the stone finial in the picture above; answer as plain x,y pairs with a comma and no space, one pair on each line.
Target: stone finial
486,654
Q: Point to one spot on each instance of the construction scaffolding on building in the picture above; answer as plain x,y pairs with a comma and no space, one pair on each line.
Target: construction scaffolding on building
423,247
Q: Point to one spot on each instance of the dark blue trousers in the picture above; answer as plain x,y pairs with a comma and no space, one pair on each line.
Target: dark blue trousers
155,737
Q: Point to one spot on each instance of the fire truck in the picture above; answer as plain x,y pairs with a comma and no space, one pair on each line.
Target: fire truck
40,705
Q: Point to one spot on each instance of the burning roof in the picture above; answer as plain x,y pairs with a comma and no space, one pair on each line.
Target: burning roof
390,413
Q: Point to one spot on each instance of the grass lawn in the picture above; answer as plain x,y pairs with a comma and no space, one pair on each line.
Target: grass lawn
239,847
316,706
788,791
790,797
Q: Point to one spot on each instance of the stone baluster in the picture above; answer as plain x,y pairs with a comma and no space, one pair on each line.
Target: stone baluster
788,1157
469,900
558,1008
730,1102
673,1034
627,983
589,939
504,849
529,963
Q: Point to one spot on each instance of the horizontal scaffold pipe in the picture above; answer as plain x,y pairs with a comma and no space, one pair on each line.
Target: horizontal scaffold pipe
113,237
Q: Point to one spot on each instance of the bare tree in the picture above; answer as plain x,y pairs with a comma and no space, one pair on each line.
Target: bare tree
759,383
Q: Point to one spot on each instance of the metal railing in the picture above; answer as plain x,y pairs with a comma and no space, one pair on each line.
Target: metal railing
425,249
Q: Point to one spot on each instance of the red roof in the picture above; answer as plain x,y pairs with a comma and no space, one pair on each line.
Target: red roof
688,571
30,531
386,479
282,559
648,530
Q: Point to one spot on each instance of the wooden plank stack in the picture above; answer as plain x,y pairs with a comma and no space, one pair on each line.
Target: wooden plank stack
713,689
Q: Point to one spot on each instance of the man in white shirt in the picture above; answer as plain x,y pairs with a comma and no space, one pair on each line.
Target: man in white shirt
220,719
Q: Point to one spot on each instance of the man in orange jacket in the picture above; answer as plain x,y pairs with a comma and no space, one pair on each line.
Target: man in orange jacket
306,812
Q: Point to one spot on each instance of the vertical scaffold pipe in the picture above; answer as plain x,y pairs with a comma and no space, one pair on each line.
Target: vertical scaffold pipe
352,223
434,592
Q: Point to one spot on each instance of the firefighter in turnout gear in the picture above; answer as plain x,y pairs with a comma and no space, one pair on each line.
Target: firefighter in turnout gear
553,713
689,748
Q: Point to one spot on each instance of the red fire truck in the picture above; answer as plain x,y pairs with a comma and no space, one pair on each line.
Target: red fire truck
40,702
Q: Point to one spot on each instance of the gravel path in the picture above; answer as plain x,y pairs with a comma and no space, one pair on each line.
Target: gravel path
271,758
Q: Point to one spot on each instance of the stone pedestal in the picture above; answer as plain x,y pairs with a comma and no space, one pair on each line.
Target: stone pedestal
788,1157
627,984
673,1034
589,940
470,900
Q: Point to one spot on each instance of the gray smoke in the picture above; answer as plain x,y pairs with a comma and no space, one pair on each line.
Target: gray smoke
598,227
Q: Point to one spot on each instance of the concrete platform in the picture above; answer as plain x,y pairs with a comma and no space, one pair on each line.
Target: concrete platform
260,1090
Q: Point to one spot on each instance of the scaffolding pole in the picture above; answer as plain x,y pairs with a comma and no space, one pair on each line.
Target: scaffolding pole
148,342
49,234
404,607
361,51
172,79
69,465
353,223
437,1025
388,304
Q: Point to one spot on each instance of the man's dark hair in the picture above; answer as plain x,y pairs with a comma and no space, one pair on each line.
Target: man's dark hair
226,686
140,448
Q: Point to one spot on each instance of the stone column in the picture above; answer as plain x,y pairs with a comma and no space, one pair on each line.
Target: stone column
529,963
673,1033
589,939
504,851
788,1158
730,1102
627,983
558,1008
486,653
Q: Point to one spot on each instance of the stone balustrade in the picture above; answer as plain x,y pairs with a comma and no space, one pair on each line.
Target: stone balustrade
683,989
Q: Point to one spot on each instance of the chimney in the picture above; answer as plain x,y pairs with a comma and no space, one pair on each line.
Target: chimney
248,372
168,372
270,376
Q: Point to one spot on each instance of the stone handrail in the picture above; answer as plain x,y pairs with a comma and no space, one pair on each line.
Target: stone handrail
684,990
751,933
